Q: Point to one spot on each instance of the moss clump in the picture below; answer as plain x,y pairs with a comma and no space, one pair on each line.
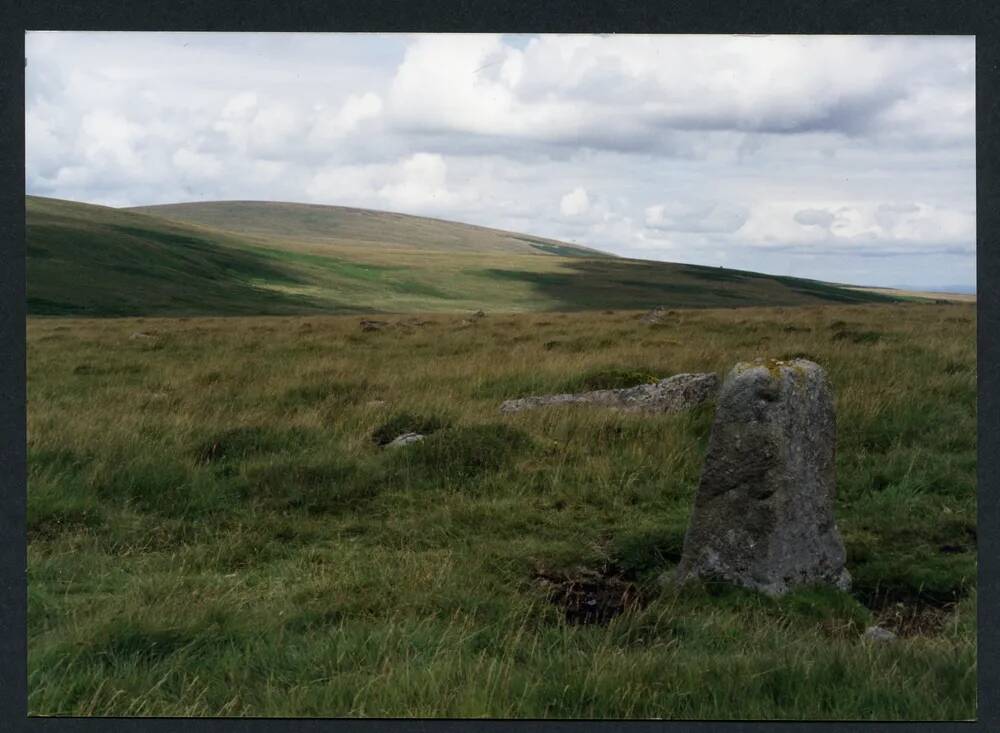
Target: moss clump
858,337
465,452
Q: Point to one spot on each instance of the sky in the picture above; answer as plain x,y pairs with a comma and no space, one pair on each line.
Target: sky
843,158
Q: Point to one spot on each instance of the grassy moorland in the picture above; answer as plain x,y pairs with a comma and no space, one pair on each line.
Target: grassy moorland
246,258
213,529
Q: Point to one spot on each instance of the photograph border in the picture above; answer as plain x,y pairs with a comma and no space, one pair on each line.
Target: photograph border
898,17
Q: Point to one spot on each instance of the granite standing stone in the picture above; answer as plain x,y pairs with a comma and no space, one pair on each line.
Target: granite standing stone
763,516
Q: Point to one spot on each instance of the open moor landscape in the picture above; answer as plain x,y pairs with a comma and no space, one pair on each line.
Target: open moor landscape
217,525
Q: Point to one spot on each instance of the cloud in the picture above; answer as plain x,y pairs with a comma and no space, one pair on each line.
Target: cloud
420,183
617,92
197,165
358,109
415,184
889,216
574,203
716,217
815,218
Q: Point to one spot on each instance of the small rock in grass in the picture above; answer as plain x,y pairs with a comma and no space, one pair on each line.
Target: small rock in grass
877,633
654,316
406,439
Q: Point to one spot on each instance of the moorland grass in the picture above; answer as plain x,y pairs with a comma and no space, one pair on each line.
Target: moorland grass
214,528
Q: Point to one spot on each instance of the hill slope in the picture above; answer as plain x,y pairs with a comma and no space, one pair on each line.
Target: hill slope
306,224
260,258
94,260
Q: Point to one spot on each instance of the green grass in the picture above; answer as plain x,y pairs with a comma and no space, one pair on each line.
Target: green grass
214,528
260,258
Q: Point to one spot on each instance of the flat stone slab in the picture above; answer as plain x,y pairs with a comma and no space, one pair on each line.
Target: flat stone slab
763,515
679,392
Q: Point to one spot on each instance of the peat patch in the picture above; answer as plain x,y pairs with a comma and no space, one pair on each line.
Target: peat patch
908,614
588,596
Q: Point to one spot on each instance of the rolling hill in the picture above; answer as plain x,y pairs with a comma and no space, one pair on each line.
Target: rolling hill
244,258
308,224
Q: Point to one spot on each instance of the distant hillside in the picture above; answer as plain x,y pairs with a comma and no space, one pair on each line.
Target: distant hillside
313,224
94,260
247,258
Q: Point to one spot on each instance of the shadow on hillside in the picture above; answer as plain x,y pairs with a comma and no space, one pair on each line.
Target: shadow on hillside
115,270
634,284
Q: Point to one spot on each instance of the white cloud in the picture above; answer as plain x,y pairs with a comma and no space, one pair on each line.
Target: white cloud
331,125
601,88
197,165
107,137
415,184
575,202
420,182
240,107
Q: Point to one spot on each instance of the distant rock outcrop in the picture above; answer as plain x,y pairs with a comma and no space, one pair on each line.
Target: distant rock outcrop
763,516
369,325
680,392
657,315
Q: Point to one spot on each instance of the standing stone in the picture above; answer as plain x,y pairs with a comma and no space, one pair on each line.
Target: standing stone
763,516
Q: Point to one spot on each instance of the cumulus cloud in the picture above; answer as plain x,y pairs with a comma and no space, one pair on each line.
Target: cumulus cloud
834,157
420,183
575,202
357,110
575,87
415,184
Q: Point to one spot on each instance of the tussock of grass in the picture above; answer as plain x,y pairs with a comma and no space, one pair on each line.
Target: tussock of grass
859,337
613,378
454,458
215,533
642,554
236,444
